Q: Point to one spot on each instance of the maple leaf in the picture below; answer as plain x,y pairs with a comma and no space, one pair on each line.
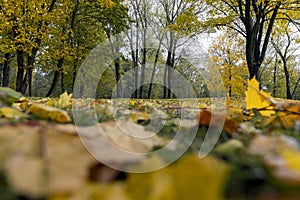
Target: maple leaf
257,99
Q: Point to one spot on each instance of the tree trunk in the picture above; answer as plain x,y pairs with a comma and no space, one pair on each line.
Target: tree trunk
118,77
256,44
274,76
165,82
62,79
287,80
74,72
170,64
169,78
154,69
56,77
143,65
136,69
30,83
6,70
20,72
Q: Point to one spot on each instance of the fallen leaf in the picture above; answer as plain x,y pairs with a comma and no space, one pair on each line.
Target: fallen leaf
290,115
11,113
41,160
64,100
256,99
230,126
139,116
280,154
131,136
231,146
190,178
8,96
47,112
27,175
292,159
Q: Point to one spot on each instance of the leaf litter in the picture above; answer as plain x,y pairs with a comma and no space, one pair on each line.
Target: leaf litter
256,157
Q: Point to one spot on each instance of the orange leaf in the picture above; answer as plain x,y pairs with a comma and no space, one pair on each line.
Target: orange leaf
230,126
290,114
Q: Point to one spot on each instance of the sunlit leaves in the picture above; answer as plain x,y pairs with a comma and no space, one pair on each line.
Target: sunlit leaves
228,56
256,99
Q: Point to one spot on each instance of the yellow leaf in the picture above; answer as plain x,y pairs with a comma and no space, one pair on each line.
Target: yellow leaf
292,159
186,104
64,100
46,112
11,113
258,99
139,116
190,178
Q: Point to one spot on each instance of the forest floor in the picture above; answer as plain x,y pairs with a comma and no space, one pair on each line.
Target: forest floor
48,148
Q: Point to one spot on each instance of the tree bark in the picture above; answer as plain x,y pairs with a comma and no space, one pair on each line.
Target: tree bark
62,81
154,68
274,76
6,70
169,65
118,77
56,77
20,72
144,51
256,44
287,80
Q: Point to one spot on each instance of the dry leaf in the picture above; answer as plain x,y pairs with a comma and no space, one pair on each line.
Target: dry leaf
139,116
27,175
190,178
258,99
46,112
11,113
280,154
290,115
230,126
64,100
41,160
131,136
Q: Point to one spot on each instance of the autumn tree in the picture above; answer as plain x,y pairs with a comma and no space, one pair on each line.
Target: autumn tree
23,28
254,20
180,21
285,46
227,54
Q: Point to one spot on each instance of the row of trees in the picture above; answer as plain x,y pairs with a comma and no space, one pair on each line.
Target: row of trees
51,38
44,42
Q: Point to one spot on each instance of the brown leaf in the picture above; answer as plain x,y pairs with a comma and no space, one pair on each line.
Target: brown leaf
290,114
230,126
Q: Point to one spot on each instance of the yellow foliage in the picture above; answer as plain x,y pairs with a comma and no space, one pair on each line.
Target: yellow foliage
46,112
64,100
292,159
191,178
11,113
256,99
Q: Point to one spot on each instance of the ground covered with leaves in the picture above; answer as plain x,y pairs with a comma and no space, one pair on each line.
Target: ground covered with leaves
257,155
